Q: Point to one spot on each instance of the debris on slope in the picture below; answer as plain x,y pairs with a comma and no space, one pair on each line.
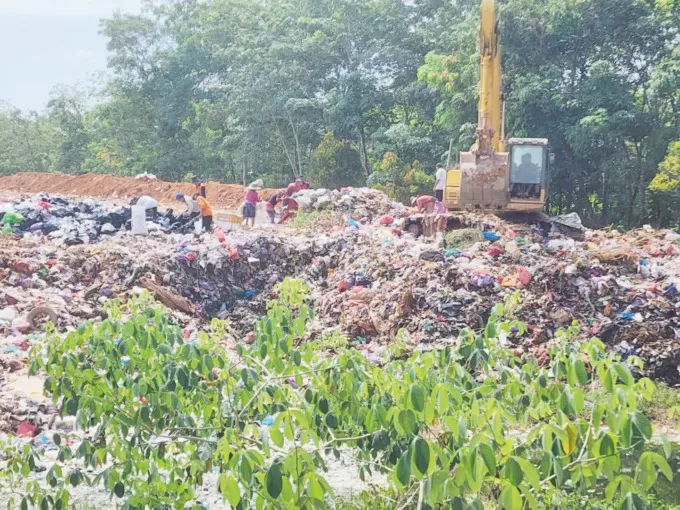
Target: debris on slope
367,280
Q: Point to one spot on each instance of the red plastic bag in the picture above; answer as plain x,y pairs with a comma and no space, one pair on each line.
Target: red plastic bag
219,233
494,251
524,276
386,220
26,429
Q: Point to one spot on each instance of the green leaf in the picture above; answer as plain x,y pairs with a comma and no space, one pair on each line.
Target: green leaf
512,472
404,468
421,454
332,421
380,440
510,498
632,502
610,490
297,358
667,447
274,481
642,424
230,490
145,414
662,464
581,372
119,490
531,474
624,374
417,398
407,420
72,407
489,458
183,378
569,445
323,405
276,436
645,473
57,439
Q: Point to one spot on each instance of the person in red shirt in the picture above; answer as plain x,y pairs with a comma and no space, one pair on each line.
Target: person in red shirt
425,204
290,208
249,208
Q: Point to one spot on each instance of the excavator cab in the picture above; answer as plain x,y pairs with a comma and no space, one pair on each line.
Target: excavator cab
528,174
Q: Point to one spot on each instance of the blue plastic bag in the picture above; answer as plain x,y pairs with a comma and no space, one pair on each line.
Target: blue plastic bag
491,236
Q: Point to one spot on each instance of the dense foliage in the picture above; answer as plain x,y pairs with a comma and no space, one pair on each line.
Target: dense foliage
232,90
470,426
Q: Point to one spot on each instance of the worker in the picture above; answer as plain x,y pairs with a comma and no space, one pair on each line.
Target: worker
191,214
271,205
301,183
440,182
199,187
249,208
192,205
425,204
290,208
149,204
206,211
297,186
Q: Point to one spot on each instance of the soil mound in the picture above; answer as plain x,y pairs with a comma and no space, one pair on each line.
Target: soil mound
223,196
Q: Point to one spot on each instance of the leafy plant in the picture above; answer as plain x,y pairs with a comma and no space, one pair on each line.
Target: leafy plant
466,426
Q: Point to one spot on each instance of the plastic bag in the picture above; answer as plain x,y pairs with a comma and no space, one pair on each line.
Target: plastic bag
139,227
12,218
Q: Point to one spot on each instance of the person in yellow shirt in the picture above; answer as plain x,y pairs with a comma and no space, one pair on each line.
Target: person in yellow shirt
206,211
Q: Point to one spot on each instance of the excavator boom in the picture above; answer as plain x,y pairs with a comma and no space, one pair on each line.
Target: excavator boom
494,176
490,86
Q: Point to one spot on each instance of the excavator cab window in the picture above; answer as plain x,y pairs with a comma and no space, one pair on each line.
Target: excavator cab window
527,171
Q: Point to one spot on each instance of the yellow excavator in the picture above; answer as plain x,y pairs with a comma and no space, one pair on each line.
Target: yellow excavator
497,175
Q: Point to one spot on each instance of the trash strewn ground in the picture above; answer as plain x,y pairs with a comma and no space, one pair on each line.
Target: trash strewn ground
369,280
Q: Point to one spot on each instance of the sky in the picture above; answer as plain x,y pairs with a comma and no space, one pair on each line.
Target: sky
45,43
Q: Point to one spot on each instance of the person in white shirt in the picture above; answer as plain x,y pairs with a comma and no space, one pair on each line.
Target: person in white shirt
440,182
192,205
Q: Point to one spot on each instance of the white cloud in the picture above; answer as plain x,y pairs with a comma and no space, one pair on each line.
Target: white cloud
89,8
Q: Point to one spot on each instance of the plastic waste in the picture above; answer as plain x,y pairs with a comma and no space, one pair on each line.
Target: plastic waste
491,236
139,227
12,219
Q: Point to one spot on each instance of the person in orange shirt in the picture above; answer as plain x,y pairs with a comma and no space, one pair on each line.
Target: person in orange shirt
206,211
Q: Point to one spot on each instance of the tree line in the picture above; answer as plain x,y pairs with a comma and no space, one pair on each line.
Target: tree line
374,92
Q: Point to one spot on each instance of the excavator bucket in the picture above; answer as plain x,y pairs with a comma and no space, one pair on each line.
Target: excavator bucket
481,182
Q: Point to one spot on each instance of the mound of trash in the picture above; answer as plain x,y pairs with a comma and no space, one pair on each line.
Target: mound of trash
363,204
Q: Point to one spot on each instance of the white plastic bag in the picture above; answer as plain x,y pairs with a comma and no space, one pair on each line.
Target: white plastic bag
139,227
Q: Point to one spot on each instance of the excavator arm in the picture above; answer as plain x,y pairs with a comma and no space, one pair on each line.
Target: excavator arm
489,127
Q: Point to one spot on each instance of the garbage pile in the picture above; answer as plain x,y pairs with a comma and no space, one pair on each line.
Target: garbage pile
368,280
363,204
74,222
